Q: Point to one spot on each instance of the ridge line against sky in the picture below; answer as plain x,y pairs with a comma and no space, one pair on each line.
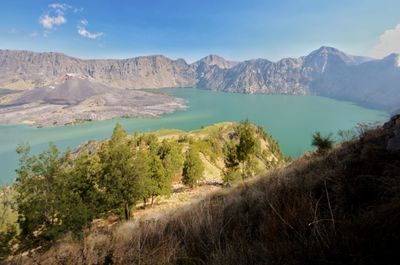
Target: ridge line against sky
196,59
235,30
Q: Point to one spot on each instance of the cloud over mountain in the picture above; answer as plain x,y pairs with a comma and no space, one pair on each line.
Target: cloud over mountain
389,42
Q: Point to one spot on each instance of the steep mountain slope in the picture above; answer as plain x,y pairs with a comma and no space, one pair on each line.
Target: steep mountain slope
256,76
24,69
339,208
325,71
375,83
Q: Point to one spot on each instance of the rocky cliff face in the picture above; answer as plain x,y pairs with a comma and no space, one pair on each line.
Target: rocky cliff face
24,69
326,71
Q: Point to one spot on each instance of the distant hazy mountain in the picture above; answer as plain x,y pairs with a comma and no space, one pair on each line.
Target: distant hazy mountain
326,71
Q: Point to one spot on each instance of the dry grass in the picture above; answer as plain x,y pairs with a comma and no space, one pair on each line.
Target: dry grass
340,208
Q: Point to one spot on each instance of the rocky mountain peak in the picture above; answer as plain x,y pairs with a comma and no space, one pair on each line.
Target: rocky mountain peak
326,58
219,61
326,50
392,59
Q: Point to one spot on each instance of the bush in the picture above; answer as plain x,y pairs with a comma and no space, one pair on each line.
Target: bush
6,241
323,143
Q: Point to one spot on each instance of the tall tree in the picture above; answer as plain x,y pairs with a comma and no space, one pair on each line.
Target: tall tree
144,185
81,198
193,168
161,180
117,178
240,153
170,153
248,141
37,189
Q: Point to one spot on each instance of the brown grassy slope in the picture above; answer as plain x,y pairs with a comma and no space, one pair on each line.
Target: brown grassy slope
342,208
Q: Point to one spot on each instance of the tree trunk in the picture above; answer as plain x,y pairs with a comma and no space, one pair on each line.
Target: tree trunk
152,200
127,212
144,203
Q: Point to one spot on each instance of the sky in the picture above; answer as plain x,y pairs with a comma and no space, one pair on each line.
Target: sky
192,29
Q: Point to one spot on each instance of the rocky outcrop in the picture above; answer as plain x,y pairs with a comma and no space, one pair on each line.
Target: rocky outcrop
393,144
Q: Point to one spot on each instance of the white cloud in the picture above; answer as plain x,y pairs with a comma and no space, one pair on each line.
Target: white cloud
389,42
48,22
84,22
85,33
61,6
55,15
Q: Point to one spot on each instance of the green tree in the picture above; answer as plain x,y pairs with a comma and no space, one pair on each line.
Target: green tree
170,153
248,142
38,189
81,199
56,194
240,153
193,168
161,180
141,174
117,179
322,143
231,159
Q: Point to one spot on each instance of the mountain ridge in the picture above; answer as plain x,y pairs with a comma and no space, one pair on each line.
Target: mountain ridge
326,71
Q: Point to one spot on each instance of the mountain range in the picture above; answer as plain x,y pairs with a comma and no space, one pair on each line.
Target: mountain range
325,72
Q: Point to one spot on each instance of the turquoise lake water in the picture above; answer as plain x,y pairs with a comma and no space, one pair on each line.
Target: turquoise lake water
290,119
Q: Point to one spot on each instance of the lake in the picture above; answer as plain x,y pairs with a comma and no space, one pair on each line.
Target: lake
290,119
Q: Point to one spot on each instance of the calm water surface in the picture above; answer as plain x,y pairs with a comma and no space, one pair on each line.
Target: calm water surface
290,119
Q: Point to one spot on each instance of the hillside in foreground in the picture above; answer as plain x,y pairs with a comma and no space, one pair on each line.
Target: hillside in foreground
141,177
341,207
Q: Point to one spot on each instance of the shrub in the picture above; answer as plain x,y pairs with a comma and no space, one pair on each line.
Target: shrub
6,241
322,143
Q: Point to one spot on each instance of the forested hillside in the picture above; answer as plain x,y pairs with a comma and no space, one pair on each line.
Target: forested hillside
56,195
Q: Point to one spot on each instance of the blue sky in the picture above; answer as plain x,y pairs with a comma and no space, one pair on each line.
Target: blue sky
192,29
